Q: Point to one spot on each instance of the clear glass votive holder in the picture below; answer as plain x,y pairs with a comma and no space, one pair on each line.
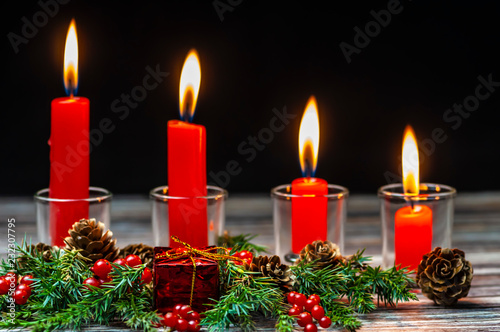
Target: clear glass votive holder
336,202
421,234
97,206
188,210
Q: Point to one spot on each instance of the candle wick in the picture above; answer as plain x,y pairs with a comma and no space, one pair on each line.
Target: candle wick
412,204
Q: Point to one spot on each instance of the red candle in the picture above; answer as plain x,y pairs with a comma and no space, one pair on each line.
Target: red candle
69,149
412,235
187,168
413,223
309,213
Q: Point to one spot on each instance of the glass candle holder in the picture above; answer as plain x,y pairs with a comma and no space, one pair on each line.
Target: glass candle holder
414,225
98,204
190,208
282,196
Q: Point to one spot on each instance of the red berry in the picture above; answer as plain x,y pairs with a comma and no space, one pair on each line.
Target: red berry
325,322
24,287
315,297
146,276
310,304
120,261
193,315
170,319
193,326
245,254
177,308
102,268
4,286
304,319
293,311
300,299
291,297
183,312
11,277
318,312
27,279
106,280
20,296
133,260
310,328
92,282
181,325
299,308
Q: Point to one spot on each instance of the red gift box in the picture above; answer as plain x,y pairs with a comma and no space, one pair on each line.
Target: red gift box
173,279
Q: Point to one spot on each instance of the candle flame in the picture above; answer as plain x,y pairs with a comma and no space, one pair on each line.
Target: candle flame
189,86
71,61
410,163
309,139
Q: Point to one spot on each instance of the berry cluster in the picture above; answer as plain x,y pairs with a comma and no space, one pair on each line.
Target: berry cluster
21,291
245,255
103,267
182,318
308,311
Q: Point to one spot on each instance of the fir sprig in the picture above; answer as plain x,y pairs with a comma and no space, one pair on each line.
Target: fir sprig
60,300
356,281
241,242
245,295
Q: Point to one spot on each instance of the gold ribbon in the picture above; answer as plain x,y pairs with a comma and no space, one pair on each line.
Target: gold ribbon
189,251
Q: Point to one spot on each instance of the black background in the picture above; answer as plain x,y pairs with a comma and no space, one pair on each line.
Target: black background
261,56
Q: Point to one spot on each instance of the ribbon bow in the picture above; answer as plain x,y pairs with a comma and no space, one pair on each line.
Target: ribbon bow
190,252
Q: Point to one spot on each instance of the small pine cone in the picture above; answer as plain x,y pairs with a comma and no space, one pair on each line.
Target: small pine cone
34,249
272,267
444,275
42,248
145,253
325,253
89,237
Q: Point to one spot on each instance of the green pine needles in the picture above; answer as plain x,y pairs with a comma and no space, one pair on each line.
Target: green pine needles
60,300
345,291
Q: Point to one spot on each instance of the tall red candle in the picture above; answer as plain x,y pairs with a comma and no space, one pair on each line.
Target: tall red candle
187,168
413,223
69,149
309,212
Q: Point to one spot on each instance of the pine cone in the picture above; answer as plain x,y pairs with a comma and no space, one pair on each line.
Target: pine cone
145,253
325,253
89,237
272,267
34,249
444,275
42,248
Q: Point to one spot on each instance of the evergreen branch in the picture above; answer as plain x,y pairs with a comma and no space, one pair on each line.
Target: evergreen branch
242,242
245,295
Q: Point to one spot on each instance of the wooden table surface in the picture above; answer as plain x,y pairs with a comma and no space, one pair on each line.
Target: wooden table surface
476,231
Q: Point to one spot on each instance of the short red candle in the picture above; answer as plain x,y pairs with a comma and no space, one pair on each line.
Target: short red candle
187,165
309,214
69,149
412,223
187,177
412,235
